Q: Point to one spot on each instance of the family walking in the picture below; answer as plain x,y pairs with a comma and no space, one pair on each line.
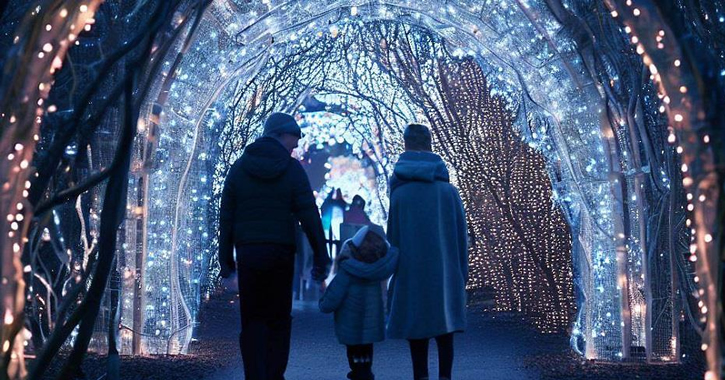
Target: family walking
423,255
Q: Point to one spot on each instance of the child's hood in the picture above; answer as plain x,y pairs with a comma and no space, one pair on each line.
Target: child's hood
378,271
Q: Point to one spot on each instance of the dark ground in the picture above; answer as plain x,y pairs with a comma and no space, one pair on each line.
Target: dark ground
494,347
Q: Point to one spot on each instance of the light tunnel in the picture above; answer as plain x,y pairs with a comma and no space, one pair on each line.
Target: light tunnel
560,110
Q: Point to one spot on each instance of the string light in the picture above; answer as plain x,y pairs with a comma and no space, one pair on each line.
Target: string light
43,55
691,151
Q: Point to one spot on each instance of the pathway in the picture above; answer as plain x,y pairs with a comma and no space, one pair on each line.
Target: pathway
490,349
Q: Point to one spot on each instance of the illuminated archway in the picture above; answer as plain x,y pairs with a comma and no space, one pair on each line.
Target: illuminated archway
561,113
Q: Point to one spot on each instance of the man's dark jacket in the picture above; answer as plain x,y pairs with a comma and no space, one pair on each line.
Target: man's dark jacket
266,193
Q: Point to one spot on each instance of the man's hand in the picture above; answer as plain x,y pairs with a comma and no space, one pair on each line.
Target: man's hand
323,286
319,274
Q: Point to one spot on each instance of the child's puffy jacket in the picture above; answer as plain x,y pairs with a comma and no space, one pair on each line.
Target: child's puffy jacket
355,295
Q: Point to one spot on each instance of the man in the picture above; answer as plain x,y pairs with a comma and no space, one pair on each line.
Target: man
428,225
266,194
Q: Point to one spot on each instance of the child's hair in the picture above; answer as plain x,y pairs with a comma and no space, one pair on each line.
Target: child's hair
373,248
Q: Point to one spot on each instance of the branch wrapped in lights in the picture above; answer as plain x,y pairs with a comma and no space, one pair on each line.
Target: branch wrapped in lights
70,295
25,85
691,131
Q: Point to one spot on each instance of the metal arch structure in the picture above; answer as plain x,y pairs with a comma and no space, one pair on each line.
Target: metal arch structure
247,41
522,40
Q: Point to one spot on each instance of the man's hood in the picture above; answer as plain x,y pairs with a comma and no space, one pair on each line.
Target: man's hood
419,167
377,271
265,158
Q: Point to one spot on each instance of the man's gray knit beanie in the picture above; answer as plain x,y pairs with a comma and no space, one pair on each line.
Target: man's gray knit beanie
279,123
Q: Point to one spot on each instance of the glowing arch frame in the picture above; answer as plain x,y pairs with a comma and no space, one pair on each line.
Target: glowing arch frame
268,34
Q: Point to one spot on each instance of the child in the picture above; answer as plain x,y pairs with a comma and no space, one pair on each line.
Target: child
356,298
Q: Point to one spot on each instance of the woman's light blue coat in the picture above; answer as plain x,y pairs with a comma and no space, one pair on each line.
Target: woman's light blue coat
427,224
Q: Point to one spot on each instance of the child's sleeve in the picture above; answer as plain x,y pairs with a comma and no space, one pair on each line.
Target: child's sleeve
335,293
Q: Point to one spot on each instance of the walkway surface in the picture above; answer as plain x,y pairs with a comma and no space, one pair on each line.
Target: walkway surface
490,349
493,347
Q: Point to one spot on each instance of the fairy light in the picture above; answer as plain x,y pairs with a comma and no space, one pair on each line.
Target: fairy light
9,319
693,150
45,51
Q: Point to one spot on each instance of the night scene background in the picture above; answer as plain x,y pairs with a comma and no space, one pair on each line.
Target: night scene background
586,138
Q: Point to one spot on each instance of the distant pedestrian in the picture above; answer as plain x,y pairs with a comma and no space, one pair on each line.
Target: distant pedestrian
333,211
427,224
355,296
356,214
266,194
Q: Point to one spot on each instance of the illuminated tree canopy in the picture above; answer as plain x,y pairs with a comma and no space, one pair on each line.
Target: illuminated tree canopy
479,140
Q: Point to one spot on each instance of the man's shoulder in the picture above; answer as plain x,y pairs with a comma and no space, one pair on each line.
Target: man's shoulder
237,165
235,170
295,169
296,164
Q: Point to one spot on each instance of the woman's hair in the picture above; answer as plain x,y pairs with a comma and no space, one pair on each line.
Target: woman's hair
417,137
373,248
